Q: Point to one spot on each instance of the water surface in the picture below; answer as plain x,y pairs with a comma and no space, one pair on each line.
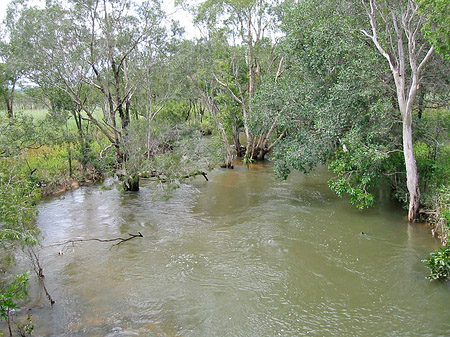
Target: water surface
240,255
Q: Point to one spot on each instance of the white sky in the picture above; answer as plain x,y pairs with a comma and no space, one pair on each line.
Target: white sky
182,16
3,4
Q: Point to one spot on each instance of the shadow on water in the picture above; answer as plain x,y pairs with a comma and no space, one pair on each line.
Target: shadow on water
240,255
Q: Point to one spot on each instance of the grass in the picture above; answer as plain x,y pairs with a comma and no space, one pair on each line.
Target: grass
41,114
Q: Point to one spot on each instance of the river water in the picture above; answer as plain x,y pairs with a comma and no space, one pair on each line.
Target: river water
240,255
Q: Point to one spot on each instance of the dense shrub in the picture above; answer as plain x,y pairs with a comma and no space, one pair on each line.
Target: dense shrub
439,264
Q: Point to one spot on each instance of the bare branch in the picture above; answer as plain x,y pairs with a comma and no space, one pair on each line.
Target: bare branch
237,99
279,71
374,37
118,240
425,60
105,149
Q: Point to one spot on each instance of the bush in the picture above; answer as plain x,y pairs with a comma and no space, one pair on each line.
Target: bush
439,264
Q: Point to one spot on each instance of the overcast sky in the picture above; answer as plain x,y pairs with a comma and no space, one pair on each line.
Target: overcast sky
3,4
182,16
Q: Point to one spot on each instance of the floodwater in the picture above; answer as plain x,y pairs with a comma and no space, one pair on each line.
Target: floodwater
240,255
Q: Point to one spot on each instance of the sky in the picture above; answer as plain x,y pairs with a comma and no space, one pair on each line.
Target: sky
182,16
3,4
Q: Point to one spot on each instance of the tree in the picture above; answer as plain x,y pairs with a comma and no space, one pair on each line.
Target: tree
94,44
13,48
201,59
247,25
14,292
7,89
334,100
401,45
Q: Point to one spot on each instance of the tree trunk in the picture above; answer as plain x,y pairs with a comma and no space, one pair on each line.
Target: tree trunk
10,100
8,320
261,154
9,105
240,150
412,176
420,103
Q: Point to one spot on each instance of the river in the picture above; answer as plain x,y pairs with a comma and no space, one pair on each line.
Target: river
240,255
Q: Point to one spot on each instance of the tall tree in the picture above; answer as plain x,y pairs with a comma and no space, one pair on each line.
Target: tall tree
396,33
203,57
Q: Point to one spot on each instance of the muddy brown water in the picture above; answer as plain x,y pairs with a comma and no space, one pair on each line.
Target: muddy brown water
240,255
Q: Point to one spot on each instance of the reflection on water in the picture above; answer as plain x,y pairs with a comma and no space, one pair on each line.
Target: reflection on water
240,255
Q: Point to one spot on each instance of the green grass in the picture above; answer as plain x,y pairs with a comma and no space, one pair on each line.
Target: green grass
40,114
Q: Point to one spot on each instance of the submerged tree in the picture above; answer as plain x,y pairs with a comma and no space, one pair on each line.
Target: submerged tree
339,102
248,26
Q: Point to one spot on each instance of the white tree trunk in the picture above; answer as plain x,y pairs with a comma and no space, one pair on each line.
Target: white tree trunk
405,26
412,176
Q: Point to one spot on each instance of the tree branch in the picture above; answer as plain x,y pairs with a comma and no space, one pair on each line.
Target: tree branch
118,240
237,99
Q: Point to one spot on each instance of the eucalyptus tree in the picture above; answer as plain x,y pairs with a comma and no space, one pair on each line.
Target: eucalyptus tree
160,71
395,30
249,27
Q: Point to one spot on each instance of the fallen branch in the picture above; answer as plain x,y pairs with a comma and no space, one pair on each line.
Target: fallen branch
119,240
197,173
39,271
160,177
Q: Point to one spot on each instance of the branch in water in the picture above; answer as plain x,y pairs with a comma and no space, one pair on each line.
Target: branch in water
37,267
120,240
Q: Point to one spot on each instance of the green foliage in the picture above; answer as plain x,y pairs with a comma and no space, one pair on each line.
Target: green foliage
247,160
175,111
439,264
432,148
17,134
18,197
439,200
51,164
189,152
330,101
437,28
26,329
13,293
